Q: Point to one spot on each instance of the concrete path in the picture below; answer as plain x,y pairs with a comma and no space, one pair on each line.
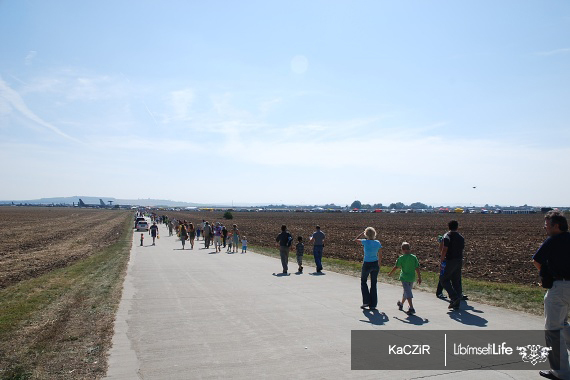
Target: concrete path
194,314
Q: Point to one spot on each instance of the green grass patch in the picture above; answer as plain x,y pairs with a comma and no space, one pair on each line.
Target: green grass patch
529,299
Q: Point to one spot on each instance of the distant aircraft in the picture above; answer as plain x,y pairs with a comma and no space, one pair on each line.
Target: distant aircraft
100,205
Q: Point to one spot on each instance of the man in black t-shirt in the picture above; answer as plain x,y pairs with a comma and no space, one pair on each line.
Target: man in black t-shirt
553,259
451,263
153,231
284,239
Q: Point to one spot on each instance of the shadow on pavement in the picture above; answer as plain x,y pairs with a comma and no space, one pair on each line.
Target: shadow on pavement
374,317
317,274
463,316
413,320
281,274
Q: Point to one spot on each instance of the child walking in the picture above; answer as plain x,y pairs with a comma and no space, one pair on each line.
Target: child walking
244,245
409,266
142,239
300,248
229,241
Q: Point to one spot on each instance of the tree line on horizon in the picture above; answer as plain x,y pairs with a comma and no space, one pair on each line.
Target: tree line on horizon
396,206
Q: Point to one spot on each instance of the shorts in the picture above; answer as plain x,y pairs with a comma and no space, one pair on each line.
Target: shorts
408,289
217,240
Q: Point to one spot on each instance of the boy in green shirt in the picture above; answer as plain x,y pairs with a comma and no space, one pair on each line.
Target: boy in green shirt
409,266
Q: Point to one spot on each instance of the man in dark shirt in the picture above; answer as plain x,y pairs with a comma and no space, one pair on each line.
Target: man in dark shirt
284,239
553,258
451,263
153,231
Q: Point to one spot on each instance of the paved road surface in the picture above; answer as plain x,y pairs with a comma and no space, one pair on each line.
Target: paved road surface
194,314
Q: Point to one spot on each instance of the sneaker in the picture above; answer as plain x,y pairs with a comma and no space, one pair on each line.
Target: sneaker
549,375
441,296
411,310
364,306
400,305
284,272
454,304
372,308
464,297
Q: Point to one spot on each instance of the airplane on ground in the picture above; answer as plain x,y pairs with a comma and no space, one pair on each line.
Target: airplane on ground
91,205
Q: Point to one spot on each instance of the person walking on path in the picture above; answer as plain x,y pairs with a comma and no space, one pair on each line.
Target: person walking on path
439,290
224,235
300,248
243,244
191,235
170,228
230,239
153,231
235,237
318,239
198,232
284,239
218,237
410,266
451,258
206,230
552,260
370,267
183,235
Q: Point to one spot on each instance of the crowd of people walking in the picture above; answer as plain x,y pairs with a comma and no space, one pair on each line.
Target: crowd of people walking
212,234
451,248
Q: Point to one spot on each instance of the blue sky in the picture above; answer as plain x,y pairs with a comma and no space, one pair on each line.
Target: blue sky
296,102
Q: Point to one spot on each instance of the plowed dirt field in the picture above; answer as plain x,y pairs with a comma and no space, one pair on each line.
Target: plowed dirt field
36,240
498,247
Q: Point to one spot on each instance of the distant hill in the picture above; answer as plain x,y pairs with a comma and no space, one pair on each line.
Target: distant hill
95,200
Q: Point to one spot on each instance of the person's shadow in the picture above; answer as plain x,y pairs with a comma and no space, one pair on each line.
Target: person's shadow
375,317
413,319
281,274
463,316
317,274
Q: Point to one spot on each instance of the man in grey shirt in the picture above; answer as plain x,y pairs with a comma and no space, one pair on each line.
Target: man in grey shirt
318,239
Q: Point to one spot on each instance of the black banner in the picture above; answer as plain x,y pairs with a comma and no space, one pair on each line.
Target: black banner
454,350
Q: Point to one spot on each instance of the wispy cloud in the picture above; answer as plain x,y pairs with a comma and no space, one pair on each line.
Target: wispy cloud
150,113
159,146
78,85
30,57
268,105
13,101
554,52
181,102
